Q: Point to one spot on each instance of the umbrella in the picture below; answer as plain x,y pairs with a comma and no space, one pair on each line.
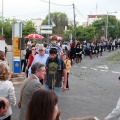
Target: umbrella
58,37
34,36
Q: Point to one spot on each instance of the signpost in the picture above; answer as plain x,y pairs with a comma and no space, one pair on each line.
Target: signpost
16,51
46,29
16,34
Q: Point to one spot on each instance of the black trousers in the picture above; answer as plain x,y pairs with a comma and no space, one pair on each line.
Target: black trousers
8,118
23,64
67,84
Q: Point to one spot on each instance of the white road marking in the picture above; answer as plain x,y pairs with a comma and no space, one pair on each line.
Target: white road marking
104,70
93,68
103,67
115,72
84,67
75,66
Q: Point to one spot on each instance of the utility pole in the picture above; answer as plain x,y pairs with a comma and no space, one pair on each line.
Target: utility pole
74,21
49,21
116,28
107,23
2,18
106,26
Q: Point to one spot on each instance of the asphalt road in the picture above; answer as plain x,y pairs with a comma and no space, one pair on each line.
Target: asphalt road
94,89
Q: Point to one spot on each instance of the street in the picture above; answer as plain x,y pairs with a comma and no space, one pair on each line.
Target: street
94,88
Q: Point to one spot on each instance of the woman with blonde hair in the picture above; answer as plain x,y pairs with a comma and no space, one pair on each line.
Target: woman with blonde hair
3,57
6,88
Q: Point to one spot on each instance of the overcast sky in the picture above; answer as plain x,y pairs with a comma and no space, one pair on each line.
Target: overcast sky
27,9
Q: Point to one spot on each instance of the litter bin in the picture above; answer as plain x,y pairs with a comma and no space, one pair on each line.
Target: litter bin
17,66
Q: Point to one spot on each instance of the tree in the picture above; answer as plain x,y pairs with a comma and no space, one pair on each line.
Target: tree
113,27
60,19
8,31
28,27
86,33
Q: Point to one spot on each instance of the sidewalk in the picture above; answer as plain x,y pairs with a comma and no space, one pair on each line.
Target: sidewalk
18,78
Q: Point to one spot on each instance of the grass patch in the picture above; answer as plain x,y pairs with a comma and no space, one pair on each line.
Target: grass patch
114,58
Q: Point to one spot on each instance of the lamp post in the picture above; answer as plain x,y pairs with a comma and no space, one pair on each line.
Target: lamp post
49,21
107,23
2,17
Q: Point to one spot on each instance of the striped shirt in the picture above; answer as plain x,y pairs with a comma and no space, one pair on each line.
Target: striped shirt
57,47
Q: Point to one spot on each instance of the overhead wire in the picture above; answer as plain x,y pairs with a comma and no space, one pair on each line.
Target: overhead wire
80,12
55,3
42,12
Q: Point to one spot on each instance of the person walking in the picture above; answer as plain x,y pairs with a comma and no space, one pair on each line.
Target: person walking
68,66
29,86
4,105
43,106
115,114
23,60
54,75
40,57
7,89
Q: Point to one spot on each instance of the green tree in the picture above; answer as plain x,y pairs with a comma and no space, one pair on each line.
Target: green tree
113,27
60,19
86,33
8,31
28,28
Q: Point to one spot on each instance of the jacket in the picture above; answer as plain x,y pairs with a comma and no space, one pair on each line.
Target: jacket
30,88
115,114
7,91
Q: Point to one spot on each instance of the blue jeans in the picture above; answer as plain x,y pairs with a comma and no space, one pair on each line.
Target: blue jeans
56,89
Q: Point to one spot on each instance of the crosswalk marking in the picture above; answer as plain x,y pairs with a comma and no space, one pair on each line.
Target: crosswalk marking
103,67
115,72
93,68
104,70
84,67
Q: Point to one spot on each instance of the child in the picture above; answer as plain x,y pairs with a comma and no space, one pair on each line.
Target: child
54,45
68,66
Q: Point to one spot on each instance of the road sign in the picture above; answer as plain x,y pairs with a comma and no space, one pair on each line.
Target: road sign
46,27
15,45
45,31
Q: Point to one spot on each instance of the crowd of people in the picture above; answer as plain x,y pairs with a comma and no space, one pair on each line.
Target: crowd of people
47,71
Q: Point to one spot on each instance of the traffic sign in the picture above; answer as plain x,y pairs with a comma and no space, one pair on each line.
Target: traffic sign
46,27
45,31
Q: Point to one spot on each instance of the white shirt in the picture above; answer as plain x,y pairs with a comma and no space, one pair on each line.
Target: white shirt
7,91
41,59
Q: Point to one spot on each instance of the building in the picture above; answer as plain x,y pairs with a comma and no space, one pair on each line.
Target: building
2,43
92,18
71,22
84,24
37,23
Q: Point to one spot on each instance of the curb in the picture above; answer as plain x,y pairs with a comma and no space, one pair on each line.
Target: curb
18,78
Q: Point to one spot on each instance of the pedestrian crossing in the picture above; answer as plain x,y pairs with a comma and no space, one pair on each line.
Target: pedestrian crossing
102,68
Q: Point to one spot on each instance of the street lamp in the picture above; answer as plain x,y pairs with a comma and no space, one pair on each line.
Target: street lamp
2,17
107,23
49,21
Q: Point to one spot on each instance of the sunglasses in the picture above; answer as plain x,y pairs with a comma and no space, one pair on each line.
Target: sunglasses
40,50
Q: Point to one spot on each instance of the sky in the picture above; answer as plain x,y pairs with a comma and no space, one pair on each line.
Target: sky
27,9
